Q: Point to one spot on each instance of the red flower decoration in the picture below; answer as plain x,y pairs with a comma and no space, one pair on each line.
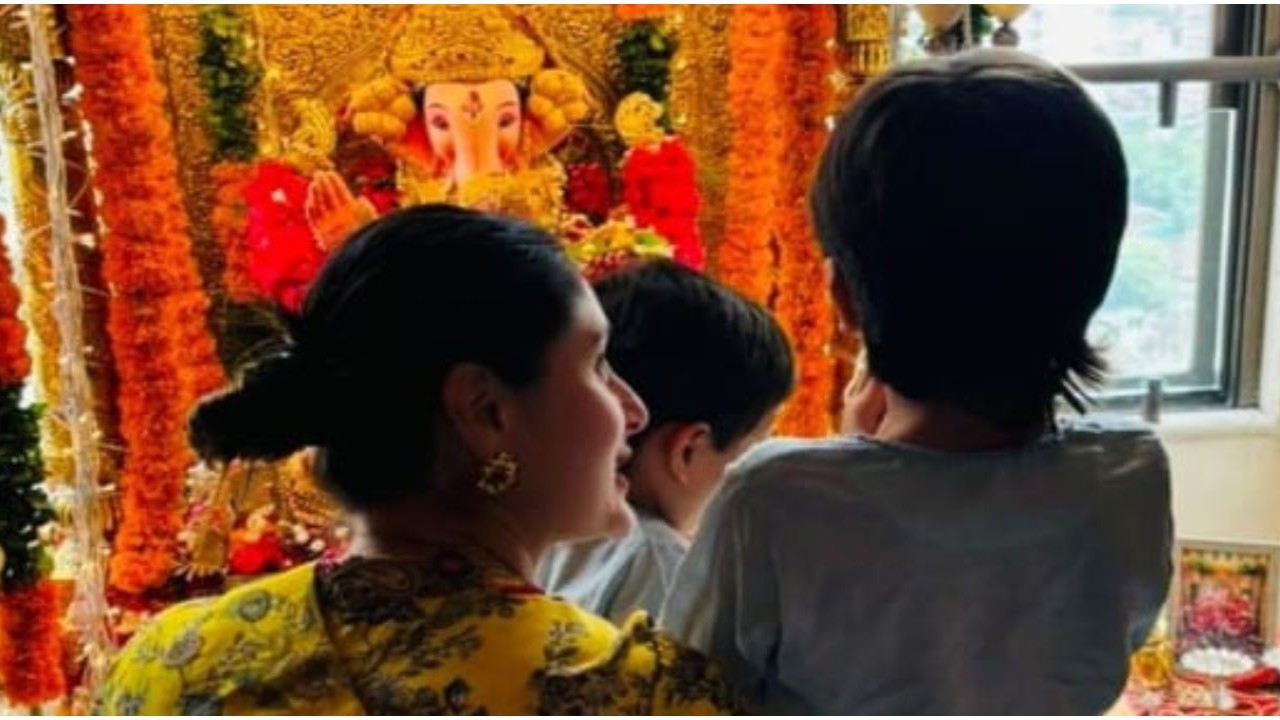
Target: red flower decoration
30,656
589,191
1216,611
265,554
283,255
660,189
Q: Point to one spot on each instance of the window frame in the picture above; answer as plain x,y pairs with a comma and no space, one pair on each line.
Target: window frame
1248,31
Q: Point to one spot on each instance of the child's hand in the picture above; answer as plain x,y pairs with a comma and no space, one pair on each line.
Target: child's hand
864,402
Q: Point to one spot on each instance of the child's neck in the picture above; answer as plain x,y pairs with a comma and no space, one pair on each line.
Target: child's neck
681,519
938,427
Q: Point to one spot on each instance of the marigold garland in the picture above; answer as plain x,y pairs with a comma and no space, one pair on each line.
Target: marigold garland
31,651
758,40
229,77
164,354
229,221
802,303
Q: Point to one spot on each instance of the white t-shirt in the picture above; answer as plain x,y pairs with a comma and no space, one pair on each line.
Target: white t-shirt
615,577
850,576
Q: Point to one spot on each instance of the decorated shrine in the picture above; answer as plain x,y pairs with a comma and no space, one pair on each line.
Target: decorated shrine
178,175
173,178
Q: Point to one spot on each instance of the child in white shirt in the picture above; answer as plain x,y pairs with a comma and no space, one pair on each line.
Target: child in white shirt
712,368
965,554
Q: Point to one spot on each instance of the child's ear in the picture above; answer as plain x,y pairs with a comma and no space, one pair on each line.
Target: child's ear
865,404
842,293
684,445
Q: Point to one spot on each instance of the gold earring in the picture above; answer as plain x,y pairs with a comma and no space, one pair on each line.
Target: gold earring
498,474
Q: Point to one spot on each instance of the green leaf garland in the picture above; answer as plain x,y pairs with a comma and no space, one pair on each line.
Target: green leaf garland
229,77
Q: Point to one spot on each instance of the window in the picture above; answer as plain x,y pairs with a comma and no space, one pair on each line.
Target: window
1180,308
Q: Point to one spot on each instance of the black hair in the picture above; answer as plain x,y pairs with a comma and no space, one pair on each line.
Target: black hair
693,350
404,300
974,205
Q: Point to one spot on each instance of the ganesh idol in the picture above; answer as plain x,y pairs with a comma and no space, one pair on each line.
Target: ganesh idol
465,109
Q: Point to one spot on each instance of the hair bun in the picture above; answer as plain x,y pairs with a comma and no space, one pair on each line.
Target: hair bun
273,412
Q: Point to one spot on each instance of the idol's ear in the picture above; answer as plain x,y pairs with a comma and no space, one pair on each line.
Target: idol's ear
385,110
558,99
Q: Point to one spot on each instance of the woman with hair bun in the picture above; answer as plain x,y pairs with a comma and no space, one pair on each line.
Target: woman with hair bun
448,367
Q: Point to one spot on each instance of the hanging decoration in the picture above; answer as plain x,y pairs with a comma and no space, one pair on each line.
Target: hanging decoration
864,46
229,220
802,302
30,641
758,41
952,28
31,652
164,355
80,504
644,53
659,178
23,505
21,131
1005,35
229,77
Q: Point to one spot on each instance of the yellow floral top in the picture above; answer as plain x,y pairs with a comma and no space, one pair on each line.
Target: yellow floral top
441,635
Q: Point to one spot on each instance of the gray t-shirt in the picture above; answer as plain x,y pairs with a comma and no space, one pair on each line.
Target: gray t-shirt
849,576
615,577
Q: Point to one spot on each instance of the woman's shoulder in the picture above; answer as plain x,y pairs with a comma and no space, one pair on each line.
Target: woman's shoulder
280,601
197,657
495,643
595,667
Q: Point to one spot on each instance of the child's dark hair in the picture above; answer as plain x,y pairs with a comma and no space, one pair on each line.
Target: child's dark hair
405,299
694,350
974,206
